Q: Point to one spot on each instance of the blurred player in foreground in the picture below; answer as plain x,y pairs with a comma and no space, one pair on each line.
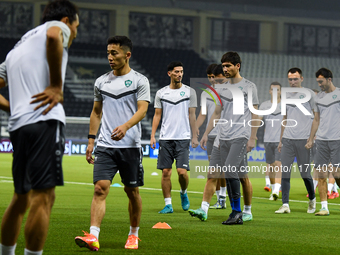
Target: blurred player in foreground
37,131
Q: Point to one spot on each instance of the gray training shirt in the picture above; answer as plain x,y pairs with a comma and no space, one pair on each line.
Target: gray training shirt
299,125
237,125
328,105
272,123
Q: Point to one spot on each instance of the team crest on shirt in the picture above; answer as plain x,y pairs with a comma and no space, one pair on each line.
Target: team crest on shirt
240,88
302,96
128,83
334,96
182,93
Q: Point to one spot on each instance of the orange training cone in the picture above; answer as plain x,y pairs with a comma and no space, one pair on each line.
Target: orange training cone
162,225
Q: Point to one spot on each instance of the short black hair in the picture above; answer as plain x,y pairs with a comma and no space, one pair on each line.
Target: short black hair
218,70
295,70
324,72
275,83
210,68
174,64
58,9
232,57
121,40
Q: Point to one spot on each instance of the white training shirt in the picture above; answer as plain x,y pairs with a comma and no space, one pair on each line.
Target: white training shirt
175,104
119,95
28,74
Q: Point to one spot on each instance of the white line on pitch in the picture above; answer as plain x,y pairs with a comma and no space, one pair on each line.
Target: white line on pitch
154,189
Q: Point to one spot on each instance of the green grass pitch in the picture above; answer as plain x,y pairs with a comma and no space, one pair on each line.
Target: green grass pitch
268,233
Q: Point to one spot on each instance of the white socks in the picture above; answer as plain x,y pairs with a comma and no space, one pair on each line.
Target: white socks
247,209
217,192
276,188
7,250
330,187
205,206
324,204
315,183
183,191
167,201
267,181
10,250
95,231
28,252
134,231
223,191
286,205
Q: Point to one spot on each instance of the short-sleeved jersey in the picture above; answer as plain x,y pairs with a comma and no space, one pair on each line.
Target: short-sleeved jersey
119,95
237,125
175,104
3,72
328,105
28,74
272,132
298,125
210,105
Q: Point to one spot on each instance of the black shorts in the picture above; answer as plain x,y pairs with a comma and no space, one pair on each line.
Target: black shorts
37,157
128,161
327,152
272,152
169,150
210,144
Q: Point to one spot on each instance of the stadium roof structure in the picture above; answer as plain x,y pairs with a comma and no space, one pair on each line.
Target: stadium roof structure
327,9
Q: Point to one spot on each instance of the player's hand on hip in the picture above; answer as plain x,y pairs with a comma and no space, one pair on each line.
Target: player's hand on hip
279,147
194,142
203,142
153,142
118,133
51,96
89,151
250,144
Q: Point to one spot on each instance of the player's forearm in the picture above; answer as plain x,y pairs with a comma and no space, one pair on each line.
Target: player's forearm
54,55
314,128
4,104
200,120
155,123
193,124
2,80
215,116
282,127
94,123
255,125
137,117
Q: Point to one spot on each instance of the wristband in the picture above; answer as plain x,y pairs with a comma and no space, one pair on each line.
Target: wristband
91,136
